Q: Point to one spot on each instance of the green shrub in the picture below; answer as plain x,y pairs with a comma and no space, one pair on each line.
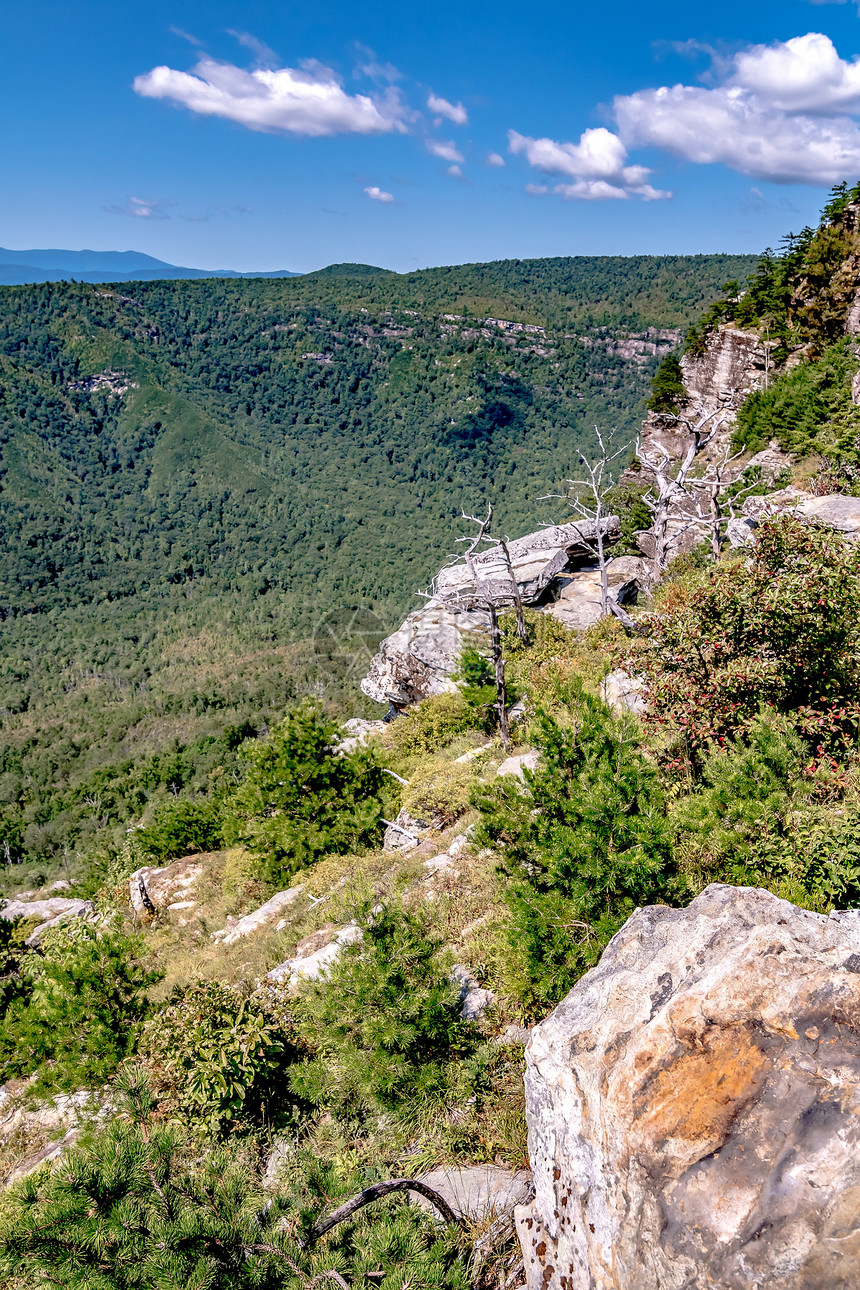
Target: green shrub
779,629
754,821
667,388
385,1020
134,1209
181,828
300,800
581,843
131,1211
430,724
438,791
81,1008
219,1056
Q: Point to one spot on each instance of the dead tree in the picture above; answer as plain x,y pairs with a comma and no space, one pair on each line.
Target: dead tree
709,493
671,487
595,487
484,596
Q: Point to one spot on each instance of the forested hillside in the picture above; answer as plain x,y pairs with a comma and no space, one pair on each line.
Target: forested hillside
217,495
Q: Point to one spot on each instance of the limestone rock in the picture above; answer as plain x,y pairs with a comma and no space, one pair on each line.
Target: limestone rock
578,606
516,765
404,833
309,963
835,511
623,692
475,999
163,883
43,909
358,733
83,909
785,499
771,461
419,658
740,533
478,1192
251,923
694,1106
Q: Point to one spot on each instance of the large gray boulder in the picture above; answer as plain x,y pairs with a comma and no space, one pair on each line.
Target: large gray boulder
835,511
693,1106
579,604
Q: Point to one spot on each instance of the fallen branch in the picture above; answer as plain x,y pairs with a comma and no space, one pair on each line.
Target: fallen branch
376,1192
392,824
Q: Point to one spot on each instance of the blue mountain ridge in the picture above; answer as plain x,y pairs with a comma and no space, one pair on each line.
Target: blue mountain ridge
18,268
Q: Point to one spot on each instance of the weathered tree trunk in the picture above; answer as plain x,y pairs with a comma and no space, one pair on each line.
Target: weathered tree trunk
499,669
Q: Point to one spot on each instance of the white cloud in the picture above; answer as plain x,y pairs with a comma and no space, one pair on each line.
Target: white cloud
451,111
536,190
455,172
445,150
142,208
783,113
494,159
597,164
309,100
379,194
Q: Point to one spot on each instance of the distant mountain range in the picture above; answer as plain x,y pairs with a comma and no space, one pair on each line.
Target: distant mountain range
18,268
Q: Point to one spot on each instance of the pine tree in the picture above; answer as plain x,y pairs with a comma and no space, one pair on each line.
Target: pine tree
583,843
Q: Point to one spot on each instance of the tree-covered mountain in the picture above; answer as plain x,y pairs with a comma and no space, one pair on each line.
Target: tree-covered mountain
217,494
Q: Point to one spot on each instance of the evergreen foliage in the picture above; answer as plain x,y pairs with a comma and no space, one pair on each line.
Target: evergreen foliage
79,1013
301,800
581,845
385,1020
667,387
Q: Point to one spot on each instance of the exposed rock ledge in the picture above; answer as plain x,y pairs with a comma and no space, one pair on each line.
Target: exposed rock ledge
694,1106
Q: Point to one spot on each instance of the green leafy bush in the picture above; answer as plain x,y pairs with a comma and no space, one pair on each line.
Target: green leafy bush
385,1020
582,842
300,800
754,821
219,1056
131,1211
181,828
779,629
81,1008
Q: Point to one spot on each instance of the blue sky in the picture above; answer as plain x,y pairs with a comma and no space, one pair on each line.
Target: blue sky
259,136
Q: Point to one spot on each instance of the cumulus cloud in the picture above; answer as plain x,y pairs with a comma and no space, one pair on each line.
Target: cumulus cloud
597,164
308,100
782,112
445,150
451,111
379,194
495,159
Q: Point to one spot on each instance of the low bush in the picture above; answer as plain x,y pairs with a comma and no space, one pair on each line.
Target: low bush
780,629
438,791
430,724
181,828
220,1057
385,1021
79,1013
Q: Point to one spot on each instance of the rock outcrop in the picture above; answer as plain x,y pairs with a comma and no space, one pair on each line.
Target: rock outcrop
694,1106
159,885
419,658
237,928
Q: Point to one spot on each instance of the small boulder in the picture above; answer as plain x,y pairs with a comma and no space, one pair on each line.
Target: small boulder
259,918
623,692
307,966
161,883
516,765
479,1193
475,999
404,833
